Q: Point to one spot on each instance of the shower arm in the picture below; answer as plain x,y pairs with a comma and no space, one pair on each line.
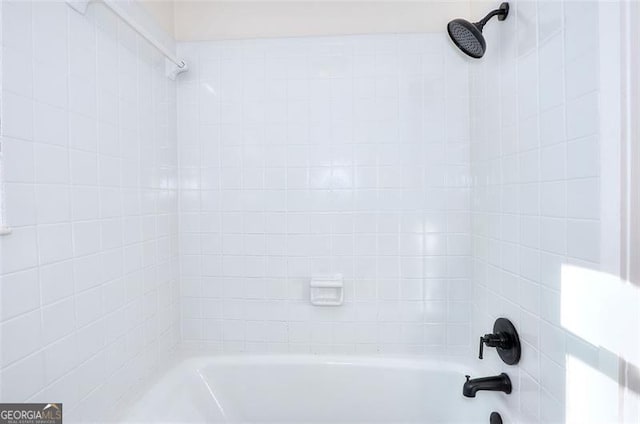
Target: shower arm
501,13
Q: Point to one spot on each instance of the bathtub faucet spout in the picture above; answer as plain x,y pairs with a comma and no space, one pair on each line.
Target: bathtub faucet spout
496,383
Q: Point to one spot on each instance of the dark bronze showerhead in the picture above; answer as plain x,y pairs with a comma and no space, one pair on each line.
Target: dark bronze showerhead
468,36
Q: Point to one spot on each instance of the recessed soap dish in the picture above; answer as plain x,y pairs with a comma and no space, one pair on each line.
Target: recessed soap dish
326,290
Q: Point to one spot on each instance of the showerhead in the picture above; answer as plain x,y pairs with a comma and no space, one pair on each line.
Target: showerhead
468,36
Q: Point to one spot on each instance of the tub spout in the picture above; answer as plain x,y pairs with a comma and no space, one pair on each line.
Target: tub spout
497,383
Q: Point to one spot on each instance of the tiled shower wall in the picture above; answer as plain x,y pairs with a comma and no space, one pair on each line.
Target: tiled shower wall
536,200
88,285
311,156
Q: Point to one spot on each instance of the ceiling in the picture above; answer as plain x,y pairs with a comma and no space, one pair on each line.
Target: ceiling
189,20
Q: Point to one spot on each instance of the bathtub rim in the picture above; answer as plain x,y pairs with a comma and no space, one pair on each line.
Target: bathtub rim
184,361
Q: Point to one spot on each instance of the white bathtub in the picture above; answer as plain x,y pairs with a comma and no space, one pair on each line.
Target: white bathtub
306,389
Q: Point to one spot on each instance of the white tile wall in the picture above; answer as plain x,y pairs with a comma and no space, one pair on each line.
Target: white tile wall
325,155
2,193
88,281
536,196
446,197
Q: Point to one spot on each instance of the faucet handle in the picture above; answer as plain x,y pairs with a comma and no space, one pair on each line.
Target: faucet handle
492,340
505,339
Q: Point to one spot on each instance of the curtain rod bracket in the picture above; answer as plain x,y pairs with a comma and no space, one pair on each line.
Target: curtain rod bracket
172,70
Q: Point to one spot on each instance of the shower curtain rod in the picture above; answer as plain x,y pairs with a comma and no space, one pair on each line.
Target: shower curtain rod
179,65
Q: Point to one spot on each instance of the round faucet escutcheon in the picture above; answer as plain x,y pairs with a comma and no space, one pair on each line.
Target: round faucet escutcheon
506,341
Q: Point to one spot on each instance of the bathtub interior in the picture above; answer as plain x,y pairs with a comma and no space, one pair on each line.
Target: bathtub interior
322,390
